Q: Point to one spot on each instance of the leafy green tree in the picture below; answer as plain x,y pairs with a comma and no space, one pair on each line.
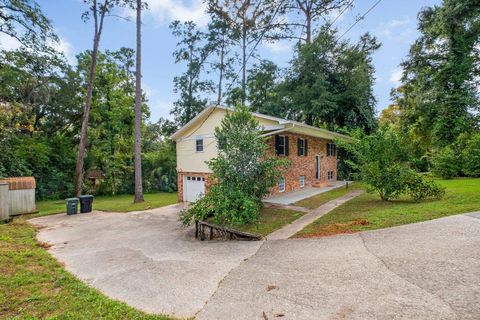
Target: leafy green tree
380,162
97,11
262,87
440,80
471,156
330,83
193,51
243,173
445,163
24,21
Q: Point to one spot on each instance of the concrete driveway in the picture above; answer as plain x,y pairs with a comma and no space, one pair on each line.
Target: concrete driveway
428,270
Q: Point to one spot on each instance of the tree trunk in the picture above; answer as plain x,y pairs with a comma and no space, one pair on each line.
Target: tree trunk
308,28
244,65
138,109
220,79
88,103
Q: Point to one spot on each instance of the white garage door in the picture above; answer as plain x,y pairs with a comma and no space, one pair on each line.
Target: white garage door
193,188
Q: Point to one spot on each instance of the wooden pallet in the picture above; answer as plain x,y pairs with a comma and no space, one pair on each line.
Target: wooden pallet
203,228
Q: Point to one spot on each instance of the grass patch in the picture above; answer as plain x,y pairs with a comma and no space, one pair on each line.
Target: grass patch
33,285
271,219
118,203
368,212
322,198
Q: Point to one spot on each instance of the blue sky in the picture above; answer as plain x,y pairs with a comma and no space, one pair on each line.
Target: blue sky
393,22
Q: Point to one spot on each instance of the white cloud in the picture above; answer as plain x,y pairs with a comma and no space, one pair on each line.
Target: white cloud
396,76
279,46
63,46
397,29
183,10
66,48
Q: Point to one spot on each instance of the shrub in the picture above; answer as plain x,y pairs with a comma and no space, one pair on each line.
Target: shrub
227,207
380,162
471,156
445,163
242,173
419,188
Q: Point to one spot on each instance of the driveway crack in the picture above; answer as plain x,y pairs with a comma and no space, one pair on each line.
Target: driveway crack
385,264
226,275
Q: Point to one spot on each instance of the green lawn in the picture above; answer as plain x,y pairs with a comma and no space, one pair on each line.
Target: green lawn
118,203
322,198
368,212
33,285
271,219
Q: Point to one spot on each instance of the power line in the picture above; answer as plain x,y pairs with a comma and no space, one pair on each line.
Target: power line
341,12
359,19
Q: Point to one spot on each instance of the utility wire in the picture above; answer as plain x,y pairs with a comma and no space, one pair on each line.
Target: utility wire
341,12
359,19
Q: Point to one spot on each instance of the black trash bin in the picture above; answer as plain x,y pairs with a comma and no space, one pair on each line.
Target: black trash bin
72,206
86,203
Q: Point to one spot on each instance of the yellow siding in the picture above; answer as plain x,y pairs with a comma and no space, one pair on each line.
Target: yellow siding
188,160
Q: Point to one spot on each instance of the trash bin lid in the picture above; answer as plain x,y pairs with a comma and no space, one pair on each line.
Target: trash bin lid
87,196
71,199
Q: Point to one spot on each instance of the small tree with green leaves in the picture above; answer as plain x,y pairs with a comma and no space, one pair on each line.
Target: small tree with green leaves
380,162
242,175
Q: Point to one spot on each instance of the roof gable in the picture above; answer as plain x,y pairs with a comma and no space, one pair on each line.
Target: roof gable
289,125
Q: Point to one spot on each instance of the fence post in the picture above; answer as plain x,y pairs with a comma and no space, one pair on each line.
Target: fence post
4,202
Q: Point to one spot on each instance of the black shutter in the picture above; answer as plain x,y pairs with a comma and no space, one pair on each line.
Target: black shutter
299,149
277,144
328,149
286,145
306,146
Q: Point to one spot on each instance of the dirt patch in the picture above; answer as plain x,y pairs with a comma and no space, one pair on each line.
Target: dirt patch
336,228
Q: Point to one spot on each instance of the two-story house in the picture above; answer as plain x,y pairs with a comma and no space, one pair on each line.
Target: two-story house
311,151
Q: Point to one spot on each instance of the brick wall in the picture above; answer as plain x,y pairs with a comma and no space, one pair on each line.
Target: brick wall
305,165
299,165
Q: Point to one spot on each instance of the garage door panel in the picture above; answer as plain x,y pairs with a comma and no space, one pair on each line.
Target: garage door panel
193,188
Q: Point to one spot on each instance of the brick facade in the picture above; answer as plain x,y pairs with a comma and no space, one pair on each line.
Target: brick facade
299,165
305,165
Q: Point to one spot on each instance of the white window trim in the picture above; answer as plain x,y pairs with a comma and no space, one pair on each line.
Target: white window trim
330,175
302,181
280,189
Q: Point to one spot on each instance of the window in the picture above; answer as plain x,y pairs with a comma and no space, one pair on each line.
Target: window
302,147
330,175
281,145
281,185
331,149
199,144
302,181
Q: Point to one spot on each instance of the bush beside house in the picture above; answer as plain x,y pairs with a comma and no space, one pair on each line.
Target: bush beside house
242,173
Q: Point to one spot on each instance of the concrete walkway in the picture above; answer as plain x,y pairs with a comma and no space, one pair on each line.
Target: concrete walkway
297,225
295,196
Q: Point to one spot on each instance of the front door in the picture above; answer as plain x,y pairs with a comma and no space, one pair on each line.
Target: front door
317,167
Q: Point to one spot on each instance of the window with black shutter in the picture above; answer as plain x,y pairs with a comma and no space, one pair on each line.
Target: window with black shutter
281,145
301,147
